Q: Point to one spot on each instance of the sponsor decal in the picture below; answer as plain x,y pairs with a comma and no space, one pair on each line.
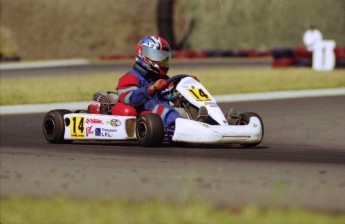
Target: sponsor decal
114,122
89,131
105,132
211,104
98,132
93,121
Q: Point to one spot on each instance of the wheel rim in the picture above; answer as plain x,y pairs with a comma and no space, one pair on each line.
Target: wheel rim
49,126
142,130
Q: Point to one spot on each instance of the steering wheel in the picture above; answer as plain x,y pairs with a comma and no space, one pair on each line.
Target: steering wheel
175,79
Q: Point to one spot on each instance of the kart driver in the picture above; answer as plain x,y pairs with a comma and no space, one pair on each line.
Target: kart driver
140,89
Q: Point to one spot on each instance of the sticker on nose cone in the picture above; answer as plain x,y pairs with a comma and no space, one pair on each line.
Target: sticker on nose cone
199,94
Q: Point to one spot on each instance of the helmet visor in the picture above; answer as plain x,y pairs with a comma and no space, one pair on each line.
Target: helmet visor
165,63
155,55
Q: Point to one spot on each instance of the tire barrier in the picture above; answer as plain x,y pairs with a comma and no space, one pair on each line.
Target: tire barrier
303,57
220,53
283,57
5,58
283,62
339,57
189,54
278,53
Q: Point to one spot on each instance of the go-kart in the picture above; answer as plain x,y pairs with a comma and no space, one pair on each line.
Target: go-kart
246,129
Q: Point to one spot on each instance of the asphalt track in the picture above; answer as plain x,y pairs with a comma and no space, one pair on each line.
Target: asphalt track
300,163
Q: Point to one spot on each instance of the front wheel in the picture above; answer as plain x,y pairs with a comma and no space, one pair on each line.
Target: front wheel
54,126
245,118
150,130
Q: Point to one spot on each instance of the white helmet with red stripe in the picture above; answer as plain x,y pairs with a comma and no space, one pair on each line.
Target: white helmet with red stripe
153,53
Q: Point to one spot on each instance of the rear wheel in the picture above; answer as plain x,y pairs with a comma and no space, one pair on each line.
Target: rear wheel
54,126
245,118
150,130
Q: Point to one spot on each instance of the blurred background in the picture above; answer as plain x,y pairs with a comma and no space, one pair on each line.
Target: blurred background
56,29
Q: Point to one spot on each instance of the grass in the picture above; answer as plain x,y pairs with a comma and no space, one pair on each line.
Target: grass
35,90
17,210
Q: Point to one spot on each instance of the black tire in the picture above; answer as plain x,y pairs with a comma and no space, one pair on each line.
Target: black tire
54,126
150,130
245,118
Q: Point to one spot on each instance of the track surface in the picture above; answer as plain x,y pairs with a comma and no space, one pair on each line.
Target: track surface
300,163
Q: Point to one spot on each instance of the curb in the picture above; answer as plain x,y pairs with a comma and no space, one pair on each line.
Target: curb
43,64
41,108
279,95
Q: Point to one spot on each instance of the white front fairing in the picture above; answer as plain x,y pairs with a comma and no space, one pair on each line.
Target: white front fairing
197,132
79,126
198,95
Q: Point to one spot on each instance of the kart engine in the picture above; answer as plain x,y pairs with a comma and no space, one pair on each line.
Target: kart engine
102,102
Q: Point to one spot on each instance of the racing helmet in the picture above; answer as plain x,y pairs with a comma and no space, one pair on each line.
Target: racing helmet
153,53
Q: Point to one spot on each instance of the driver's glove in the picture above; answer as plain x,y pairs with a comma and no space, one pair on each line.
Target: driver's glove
159,85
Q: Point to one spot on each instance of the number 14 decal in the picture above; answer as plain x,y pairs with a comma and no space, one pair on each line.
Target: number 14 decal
199,94
77,127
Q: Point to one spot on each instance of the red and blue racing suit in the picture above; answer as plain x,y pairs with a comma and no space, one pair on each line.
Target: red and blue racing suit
133,90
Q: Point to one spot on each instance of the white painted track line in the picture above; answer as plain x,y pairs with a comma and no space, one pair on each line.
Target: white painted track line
42,64
280,95
41,108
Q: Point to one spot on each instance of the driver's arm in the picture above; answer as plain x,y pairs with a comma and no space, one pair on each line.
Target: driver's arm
130,92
